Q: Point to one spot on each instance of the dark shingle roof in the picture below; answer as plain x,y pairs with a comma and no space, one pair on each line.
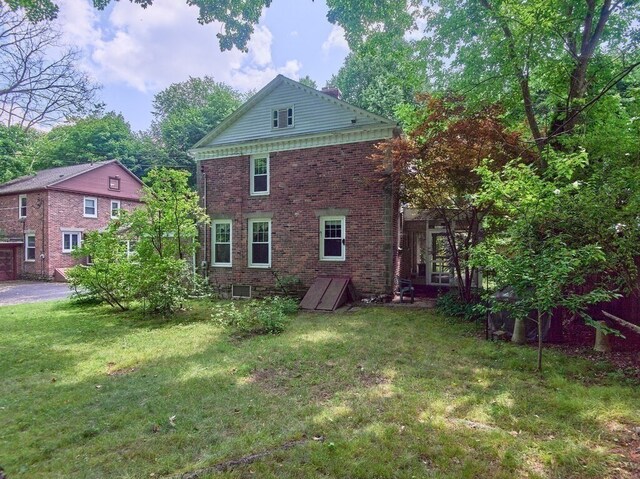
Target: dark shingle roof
45,178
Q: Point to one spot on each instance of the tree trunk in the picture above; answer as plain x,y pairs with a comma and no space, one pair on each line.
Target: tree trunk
519,331
539,368
602,340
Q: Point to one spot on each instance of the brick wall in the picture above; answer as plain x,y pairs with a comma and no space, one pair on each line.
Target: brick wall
66,212
13,227
304,184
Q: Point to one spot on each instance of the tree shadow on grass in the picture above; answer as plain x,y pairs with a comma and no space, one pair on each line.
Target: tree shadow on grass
384,387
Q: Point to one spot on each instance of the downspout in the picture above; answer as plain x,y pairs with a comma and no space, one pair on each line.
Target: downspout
205,254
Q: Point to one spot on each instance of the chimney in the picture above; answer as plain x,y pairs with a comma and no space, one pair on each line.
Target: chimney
332,91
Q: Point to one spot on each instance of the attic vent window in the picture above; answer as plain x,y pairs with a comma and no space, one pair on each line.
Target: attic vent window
114,183
282,118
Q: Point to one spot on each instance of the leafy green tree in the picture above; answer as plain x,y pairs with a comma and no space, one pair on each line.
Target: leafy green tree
548,61
95,138
308,81
238,17
535,246
381,75
164,230
16,150
185,112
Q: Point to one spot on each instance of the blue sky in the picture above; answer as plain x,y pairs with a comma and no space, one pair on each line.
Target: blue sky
135,53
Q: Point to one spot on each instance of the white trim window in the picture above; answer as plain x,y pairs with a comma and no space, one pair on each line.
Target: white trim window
282,118
115,209
259,166
71,240
259,243
22,206
221,234
332,238
90,207
30,247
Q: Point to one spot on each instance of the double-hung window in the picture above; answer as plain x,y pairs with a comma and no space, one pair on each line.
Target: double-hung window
332,238
115,208
259,243
30,247
22,206
259,175
90,207
70,240
221,242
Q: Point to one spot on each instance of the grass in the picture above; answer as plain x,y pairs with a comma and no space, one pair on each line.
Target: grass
89,393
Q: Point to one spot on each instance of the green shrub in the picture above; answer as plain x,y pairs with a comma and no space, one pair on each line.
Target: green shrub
268,316
450,304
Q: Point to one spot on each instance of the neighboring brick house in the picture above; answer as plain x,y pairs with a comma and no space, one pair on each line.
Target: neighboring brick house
291,190
44,216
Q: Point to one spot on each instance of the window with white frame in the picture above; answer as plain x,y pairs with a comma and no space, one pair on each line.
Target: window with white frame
282,118
90,207
221,242
70,240
115,208
332,238
22,206
30,247
259,243
259,175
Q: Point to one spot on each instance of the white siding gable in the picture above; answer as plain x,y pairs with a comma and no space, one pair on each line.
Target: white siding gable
314,112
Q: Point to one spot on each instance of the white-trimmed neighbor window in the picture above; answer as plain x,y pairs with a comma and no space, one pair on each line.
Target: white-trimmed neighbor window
22,206
90,207
259,243
70,240
332,238
259,175
221,242
115,208
30,247
282,118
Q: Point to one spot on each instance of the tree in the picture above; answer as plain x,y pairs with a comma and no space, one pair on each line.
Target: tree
185,112
164,231
35,90
308,81
381,75
435,164
238,17
548,60
94,138
528,246
16,150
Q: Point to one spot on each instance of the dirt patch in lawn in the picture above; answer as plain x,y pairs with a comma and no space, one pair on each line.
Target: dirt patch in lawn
628,440
113,371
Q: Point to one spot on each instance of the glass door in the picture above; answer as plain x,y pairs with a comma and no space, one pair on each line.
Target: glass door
440,268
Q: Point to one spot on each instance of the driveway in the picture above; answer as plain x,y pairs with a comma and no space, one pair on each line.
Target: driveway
18,292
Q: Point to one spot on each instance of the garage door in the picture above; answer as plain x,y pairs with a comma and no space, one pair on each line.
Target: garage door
6,264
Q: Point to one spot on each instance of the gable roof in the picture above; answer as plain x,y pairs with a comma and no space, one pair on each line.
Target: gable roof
44,179
371,120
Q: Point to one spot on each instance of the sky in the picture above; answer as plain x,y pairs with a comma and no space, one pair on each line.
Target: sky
135,53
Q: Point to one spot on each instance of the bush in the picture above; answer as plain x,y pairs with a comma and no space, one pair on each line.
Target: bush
450,304
268,316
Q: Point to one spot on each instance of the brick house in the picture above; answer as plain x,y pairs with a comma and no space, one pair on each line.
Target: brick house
291,190
44,216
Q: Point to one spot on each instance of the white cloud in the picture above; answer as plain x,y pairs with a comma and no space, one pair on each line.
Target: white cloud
335,40
148,49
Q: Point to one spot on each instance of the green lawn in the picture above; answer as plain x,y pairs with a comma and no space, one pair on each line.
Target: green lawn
385,392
